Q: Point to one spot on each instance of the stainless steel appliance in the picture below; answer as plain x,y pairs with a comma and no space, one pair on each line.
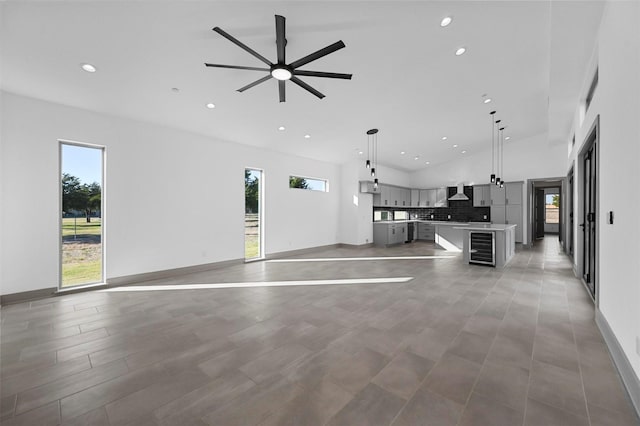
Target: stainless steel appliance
482,247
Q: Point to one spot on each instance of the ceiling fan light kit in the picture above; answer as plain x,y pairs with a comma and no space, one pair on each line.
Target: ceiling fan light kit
280,70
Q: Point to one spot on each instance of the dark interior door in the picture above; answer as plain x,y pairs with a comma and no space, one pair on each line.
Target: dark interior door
540,210
570,207
589,220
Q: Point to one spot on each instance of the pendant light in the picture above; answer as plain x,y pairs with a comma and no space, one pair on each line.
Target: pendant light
497,181
493,151
372,145
501,137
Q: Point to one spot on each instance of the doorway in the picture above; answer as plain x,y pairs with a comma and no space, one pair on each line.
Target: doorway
570,213
82,214
589,159
253,215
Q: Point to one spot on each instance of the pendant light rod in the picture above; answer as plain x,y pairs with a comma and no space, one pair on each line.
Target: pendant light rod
498,179
493,155
502,154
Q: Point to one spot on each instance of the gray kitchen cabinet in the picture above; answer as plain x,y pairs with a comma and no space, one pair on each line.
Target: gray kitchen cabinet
426,198
415,198
513,215
426,231
386,234
441,197
385,195
498,214
497,195
481,195
513,193
506,206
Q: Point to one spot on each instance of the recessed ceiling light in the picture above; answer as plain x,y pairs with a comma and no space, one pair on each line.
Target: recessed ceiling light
444,138
416,157
281,128
446,21
360,152
486,101
464,152
507,138
175,89
427,163
210,105
402,152
89,68
460,51
455,146
307,136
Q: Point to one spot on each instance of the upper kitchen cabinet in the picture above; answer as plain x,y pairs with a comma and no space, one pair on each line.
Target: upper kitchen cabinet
481,196
441,197
427,198
513,193
415,198
497,195
400,197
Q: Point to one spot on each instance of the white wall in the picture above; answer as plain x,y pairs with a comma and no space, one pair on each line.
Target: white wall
617,102
524,159
173,198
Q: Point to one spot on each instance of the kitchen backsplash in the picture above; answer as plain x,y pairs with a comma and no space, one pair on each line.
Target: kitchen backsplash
460,210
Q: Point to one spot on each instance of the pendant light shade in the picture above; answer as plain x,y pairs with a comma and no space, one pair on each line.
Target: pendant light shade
375,183
368,164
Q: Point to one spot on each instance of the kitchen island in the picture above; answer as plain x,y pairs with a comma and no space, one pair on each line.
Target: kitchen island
490,244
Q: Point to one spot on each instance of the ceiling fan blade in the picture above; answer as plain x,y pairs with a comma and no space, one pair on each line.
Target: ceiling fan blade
305,86
318,54
281,40
322,74
255,83
281,90
236,67
241,45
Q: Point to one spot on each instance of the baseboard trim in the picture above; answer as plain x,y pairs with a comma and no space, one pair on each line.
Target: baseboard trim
620,360
281,254
27,296
169,273
355,246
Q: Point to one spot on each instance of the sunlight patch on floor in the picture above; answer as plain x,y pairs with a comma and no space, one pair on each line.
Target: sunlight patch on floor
257,284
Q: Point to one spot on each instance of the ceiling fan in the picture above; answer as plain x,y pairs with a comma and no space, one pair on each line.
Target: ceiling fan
282,71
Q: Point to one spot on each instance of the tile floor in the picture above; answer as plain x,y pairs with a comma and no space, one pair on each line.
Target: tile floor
456,345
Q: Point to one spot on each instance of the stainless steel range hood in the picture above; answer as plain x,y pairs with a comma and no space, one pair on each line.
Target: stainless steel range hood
459,196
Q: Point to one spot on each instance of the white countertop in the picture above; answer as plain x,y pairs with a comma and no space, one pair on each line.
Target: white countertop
488,227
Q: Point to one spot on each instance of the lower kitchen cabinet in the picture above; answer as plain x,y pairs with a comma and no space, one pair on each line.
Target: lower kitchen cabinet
386,234
426,231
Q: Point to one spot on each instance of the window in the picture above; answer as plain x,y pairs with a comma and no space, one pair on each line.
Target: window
552,208
312,184
253,213
82,207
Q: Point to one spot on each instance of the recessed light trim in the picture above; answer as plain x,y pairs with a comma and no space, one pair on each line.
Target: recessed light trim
89,68
402,152
464,152
455,146
507,138
486,101
307,136
416,157
461,51
210,105
446,21
427,163
444,138
360,153
281,128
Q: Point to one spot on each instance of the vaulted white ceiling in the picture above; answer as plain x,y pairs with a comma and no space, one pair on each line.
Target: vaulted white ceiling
529,57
